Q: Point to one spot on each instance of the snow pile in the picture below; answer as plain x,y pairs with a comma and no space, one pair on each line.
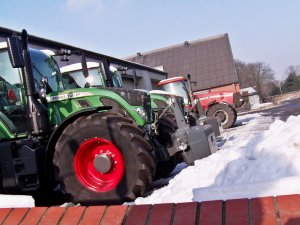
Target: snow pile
16,201
256,155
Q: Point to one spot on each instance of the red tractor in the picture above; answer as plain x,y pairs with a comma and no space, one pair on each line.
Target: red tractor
221,105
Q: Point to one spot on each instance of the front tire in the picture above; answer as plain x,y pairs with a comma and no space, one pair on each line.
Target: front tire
103,158
166,127
224,113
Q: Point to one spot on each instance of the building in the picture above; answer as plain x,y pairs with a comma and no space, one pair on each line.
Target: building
209,62
147,77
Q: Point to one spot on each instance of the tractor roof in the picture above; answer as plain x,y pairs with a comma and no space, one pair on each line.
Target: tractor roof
171,80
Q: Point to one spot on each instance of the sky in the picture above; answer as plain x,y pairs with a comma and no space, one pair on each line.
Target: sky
265,31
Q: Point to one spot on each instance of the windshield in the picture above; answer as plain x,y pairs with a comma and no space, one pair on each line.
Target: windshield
117,79
75,79
178,88
44,66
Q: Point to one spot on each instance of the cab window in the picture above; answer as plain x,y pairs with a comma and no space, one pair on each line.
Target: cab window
44,66
12,105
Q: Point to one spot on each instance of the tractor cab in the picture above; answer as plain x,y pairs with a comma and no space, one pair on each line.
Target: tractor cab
105,81
177,86
73,77
116,77
194,111
46,72
12,91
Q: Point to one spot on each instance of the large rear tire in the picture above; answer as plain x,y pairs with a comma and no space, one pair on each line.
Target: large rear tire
166,127
225,114
103,158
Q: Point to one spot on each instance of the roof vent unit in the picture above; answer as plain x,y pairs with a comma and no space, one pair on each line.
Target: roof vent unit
186,43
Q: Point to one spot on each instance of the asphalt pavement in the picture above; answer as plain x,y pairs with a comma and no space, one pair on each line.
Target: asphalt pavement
281,110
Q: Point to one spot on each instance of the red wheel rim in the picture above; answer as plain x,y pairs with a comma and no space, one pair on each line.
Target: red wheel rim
86,171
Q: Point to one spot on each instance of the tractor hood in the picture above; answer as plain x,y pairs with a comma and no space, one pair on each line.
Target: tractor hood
132,103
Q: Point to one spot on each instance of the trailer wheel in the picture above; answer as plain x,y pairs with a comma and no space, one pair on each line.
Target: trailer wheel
166,126
225,113
103,158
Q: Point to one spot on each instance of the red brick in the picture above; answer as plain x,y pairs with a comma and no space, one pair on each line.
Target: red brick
211,213
4,213
185,213
137,215
237,212
263,211
161,214
289,209
34,215
72,215
93,215
114,215
16,216
52,215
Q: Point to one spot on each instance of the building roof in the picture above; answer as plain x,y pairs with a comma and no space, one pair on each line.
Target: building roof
209,61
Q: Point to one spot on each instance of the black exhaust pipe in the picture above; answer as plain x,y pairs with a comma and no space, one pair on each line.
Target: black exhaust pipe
37,113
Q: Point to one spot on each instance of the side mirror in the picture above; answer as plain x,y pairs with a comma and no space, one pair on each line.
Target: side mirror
44,81
15,52
85,69
45,88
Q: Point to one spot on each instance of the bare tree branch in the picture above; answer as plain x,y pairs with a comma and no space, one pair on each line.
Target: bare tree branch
258,75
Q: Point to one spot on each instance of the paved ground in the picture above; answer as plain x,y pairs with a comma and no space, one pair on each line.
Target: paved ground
282,110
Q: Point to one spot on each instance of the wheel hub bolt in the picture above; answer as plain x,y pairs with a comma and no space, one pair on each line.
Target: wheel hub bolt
102,163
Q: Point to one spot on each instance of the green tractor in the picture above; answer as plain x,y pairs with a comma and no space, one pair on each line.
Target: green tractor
103,78
101,145
51,136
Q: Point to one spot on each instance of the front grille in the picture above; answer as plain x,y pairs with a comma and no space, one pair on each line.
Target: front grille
116,107
160,103
135,98
83,103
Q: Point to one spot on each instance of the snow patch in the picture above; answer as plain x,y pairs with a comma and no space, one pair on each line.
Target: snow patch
16,201
258,152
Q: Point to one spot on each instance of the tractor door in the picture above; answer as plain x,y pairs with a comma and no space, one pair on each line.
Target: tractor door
12,104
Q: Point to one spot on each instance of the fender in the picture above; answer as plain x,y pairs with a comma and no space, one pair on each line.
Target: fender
212,103
48,167
215,103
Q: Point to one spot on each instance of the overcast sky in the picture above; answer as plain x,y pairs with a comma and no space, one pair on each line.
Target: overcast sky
259,30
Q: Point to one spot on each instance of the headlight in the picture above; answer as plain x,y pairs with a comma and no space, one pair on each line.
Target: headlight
142,113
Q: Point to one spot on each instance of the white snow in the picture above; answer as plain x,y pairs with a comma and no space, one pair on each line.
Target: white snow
16,201
261,157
